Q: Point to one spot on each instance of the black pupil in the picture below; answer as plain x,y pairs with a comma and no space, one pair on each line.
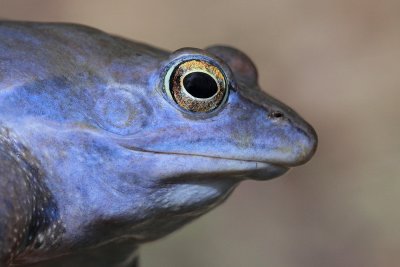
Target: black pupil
200,85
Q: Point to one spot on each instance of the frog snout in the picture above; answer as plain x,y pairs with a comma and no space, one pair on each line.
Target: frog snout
271,132
307,144
299,141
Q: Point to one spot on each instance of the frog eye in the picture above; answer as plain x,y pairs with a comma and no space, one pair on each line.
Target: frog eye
196,86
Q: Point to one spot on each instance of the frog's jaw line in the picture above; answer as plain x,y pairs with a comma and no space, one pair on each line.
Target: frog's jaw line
133,148
238,169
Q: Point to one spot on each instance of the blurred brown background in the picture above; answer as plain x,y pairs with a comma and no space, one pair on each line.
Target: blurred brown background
338,64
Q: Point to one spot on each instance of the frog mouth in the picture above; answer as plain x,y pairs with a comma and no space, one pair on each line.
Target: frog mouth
220,166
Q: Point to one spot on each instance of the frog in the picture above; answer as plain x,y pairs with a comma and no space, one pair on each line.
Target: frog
107,143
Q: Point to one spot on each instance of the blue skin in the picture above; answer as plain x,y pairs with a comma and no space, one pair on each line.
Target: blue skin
110,160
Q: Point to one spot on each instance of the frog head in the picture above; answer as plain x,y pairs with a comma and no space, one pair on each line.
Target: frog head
166,150
133,142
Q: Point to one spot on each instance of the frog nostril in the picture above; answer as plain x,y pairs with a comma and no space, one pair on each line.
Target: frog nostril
275,115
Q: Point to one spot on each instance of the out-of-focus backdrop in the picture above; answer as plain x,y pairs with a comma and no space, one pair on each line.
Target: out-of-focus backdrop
337,63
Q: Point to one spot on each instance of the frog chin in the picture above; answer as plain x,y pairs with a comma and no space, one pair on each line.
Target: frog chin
233,169
262,171
198,184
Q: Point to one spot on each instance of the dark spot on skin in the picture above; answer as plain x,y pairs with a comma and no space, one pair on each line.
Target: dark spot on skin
275,115
37,245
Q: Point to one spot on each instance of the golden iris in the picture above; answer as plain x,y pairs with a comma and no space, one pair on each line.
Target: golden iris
196,86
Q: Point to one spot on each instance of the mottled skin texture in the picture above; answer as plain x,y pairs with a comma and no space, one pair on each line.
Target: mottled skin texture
95,159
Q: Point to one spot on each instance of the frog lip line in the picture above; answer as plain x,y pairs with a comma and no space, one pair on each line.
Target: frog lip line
277,165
